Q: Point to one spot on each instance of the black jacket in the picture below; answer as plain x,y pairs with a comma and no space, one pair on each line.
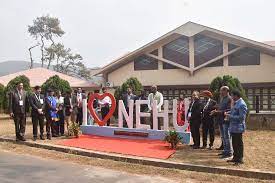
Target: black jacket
206,110
36,104
14,99
68,105
196,111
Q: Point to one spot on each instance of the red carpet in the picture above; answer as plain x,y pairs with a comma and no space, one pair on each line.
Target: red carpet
144,148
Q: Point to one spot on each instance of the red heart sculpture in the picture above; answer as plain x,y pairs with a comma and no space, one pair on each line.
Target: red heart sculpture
92,110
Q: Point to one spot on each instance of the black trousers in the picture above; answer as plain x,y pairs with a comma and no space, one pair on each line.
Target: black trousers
195,132
37,120
59,126
79,117
104,112
208,128
20,125
237,143
49,128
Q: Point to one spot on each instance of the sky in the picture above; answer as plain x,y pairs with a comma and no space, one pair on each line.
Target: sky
103,30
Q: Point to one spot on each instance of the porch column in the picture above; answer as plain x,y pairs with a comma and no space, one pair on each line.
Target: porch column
191,54
225,50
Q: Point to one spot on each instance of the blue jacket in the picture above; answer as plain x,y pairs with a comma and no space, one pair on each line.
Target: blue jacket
237,117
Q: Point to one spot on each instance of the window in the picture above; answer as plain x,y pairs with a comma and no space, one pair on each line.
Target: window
218,63
169,66
245,56
177,51
155,52
232,46
206,49
145,63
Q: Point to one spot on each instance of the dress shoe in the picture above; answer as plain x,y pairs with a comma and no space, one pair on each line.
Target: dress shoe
49,137
23,139
203,147
34,138
42,137
226,156
196,147
231,161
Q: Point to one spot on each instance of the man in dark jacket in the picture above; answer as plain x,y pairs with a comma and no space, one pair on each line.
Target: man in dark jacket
37,105
207,119
18,105
194,117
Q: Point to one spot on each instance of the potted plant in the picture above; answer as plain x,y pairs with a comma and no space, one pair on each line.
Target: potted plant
173,138
74,129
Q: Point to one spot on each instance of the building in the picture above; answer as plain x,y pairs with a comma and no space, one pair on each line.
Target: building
190,56
39,75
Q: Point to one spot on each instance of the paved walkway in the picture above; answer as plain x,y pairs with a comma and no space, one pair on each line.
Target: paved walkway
16,168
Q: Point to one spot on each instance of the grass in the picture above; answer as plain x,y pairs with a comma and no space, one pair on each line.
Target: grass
259,149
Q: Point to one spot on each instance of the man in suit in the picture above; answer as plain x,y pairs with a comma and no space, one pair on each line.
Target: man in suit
126,99
194,117
237,126
208,120
37,105
18,105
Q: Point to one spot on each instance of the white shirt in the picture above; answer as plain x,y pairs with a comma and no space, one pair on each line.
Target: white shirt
158,97
60,100
106,100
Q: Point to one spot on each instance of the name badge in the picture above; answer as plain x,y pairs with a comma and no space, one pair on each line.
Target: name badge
41,101
189,114
21,102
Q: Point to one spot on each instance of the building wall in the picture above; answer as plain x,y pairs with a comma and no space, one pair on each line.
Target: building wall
247,74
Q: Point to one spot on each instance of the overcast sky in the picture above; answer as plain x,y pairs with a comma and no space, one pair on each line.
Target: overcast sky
102,30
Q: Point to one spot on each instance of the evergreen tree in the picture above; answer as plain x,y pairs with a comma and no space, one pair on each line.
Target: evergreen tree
232,83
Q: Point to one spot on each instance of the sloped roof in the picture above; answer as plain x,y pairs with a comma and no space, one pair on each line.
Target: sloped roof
271,43
38,76
188,29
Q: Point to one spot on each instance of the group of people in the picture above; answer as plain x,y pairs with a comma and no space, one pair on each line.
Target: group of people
59,111
230,114
56,109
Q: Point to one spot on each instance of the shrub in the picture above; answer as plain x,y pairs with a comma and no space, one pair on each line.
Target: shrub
57,84
2,90
173,138
232,83
132,83
12,85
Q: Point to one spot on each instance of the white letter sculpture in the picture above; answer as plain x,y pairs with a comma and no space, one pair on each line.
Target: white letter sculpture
122,112
163,115
141,114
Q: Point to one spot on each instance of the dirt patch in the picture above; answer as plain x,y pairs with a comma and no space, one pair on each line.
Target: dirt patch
177,175
259,147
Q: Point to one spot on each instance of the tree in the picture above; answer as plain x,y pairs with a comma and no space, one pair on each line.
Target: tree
12,85
232,83
57,84
132,83
2,96
44,29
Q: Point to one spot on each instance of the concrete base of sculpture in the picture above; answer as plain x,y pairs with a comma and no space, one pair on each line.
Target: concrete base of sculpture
131,133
